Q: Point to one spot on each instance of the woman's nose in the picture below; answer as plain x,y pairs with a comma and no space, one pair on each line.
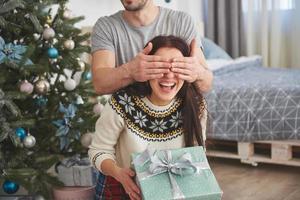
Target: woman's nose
169,75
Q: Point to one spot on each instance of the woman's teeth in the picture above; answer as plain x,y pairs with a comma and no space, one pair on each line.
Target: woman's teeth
170,85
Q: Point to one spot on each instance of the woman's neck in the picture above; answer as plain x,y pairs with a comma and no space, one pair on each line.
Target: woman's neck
158,102
142,17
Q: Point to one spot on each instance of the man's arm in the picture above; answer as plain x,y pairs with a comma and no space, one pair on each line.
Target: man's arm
107,78
205,78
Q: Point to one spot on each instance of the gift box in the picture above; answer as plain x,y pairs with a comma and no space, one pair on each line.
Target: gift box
75,171
175,174
74,193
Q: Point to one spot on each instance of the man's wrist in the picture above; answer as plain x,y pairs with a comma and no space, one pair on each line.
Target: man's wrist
127,76
126,71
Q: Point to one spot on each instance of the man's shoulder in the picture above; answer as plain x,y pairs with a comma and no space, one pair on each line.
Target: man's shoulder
174,14
109,20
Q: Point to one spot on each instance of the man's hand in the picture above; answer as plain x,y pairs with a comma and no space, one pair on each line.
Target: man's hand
145,67
189,68
124,176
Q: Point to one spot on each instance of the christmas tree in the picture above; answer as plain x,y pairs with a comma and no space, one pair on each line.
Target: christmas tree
43,109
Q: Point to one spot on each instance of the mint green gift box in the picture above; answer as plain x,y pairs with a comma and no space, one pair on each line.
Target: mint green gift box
175,174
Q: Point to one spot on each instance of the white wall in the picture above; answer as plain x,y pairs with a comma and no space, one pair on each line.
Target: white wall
93,9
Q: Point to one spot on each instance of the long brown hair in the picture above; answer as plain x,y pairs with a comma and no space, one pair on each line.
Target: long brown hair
193,101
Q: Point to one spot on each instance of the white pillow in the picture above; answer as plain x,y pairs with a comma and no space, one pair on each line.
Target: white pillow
215,64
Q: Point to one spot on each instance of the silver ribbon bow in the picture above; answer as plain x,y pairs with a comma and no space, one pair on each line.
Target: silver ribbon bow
163,162
75,160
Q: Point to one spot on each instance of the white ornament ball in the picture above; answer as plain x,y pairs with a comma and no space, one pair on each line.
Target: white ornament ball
48,33
67,14
97,109
69,44
26,87
86,139
70,84
42,86
36,36
29,141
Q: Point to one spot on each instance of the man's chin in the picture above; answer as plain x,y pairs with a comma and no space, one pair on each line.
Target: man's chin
134,8
130,9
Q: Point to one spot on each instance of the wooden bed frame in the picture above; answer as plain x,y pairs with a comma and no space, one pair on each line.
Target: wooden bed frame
276,152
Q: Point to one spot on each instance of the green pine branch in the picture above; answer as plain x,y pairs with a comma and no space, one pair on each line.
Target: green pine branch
3,22
36,23
11,5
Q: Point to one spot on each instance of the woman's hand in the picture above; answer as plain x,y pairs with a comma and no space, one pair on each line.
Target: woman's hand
124,176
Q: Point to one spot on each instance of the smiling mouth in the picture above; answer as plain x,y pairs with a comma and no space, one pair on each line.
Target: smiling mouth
167,85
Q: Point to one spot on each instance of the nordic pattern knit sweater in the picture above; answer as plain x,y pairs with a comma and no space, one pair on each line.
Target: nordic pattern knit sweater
129,124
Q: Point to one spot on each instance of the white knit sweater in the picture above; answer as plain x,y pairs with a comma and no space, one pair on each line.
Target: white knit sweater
129,124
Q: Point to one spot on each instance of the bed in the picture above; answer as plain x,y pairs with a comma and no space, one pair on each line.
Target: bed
251,104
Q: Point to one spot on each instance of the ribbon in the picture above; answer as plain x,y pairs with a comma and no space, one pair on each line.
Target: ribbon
75,160
163,162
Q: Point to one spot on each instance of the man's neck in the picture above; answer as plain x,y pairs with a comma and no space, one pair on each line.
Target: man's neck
142,17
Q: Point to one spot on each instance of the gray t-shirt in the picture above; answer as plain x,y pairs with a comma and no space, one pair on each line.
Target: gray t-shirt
113,33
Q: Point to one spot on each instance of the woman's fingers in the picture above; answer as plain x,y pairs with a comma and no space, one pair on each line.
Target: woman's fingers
131,188
134,196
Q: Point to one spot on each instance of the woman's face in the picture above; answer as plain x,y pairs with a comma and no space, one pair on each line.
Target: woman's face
165,88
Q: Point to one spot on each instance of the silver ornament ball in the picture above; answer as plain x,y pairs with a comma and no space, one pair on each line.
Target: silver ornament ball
26,87
29,141
69,44
48,33
70,84
42,86
86,139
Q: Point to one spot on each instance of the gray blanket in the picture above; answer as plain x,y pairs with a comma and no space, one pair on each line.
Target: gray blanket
250,102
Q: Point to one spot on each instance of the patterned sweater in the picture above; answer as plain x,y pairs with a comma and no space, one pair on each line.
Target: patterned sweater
129,124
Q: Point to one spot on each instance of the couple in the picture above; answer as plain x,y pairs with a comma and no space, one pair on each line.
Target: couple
159,106
163,113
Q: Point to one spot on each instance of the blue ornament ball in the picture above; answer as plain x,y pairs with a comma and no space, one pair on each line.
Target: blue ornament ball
52,53
10,187
88,75
21,133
